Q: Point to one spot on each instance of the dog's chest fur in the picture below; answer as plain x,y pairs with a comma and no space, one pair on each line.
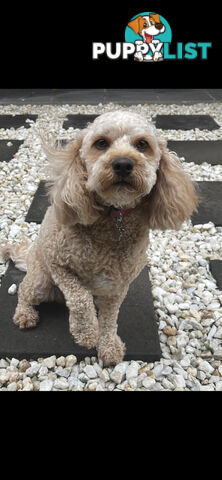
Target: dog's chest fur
95,254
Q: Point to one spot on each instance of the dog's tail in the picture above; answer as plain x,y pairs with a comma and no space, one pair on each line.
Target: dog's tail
17,253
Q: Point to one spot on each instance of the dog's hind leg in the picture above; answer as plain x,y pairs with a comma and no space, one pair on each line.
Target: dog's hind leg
36,287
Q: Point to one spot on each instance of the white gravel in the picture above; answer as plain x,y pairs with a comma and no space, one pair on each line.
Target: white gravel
187,302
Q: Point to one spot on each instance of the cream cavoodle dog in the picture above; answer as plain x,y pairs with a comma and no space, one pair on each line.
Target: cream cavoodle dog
110,186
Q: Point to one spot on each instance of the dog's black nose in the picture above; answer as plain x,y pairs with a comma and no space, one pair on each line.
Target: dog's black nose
122,166
159,26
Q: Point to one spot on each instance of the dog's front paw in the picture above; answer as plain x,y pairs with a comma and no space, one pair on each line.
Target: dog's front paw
26,318
111,351
85,334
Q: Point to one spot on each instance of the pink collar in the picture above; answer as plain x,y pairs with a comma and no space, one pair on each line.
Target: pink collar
113,211
117,213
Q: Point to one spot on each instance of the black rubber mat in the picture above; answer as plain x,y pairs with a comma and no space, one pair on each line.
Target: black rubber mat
78,121
198,151
209,209
39,204
136,325
216,270
185,122
7,152
16,121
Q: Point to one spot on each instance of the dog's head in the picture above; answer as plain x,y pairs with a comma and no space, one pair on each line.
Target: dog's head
121,155
147,26
119,160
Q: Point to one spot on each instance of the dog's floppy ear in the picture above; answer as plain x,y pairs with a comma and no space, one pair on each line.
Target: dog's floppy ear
136,24
155,17
173,198
66,187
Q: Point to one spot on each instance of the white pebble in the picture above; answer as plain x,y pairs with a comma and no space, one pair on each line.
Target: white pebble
206,367
206,388
218,333
182,340
12,387
119,372
90,371
177,380
46,386
149,382
214,305
12,289
158,370
14,230
159,293
207,226
132,370
167,384
14,362
50,362
212,332
27,385
4,376
42,371
104,375
61,361
61,383
70,360
172,308
31,371
32,188
219,386
185,361
92,386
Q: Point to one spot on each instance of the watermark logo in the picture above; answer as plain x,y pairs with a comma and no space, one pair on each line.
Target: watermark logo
148,32
148,38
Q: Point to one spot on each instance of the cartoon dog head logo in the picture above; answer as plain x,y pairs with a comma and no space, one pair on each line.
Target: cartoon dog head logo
148,31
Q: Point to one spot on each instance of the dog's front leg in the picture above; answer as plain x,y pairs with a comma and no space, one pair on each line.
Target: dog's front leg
110,347
83,322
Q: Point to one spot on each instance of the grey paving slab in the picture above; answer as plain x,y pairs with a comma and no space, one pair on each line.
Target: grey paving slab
216,270
209,209
41,96
136,325
122,95
215,94
198,151
8,148
185,122
165,96
80,96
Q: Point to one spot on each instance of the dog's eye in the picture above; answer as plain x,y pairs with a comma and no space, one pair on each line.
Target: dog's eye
101,144
145,24
141,145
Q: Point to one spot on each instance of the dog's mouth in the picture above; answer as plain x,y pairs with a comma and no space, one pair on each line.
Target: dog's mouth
148,37
122,182
123,185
